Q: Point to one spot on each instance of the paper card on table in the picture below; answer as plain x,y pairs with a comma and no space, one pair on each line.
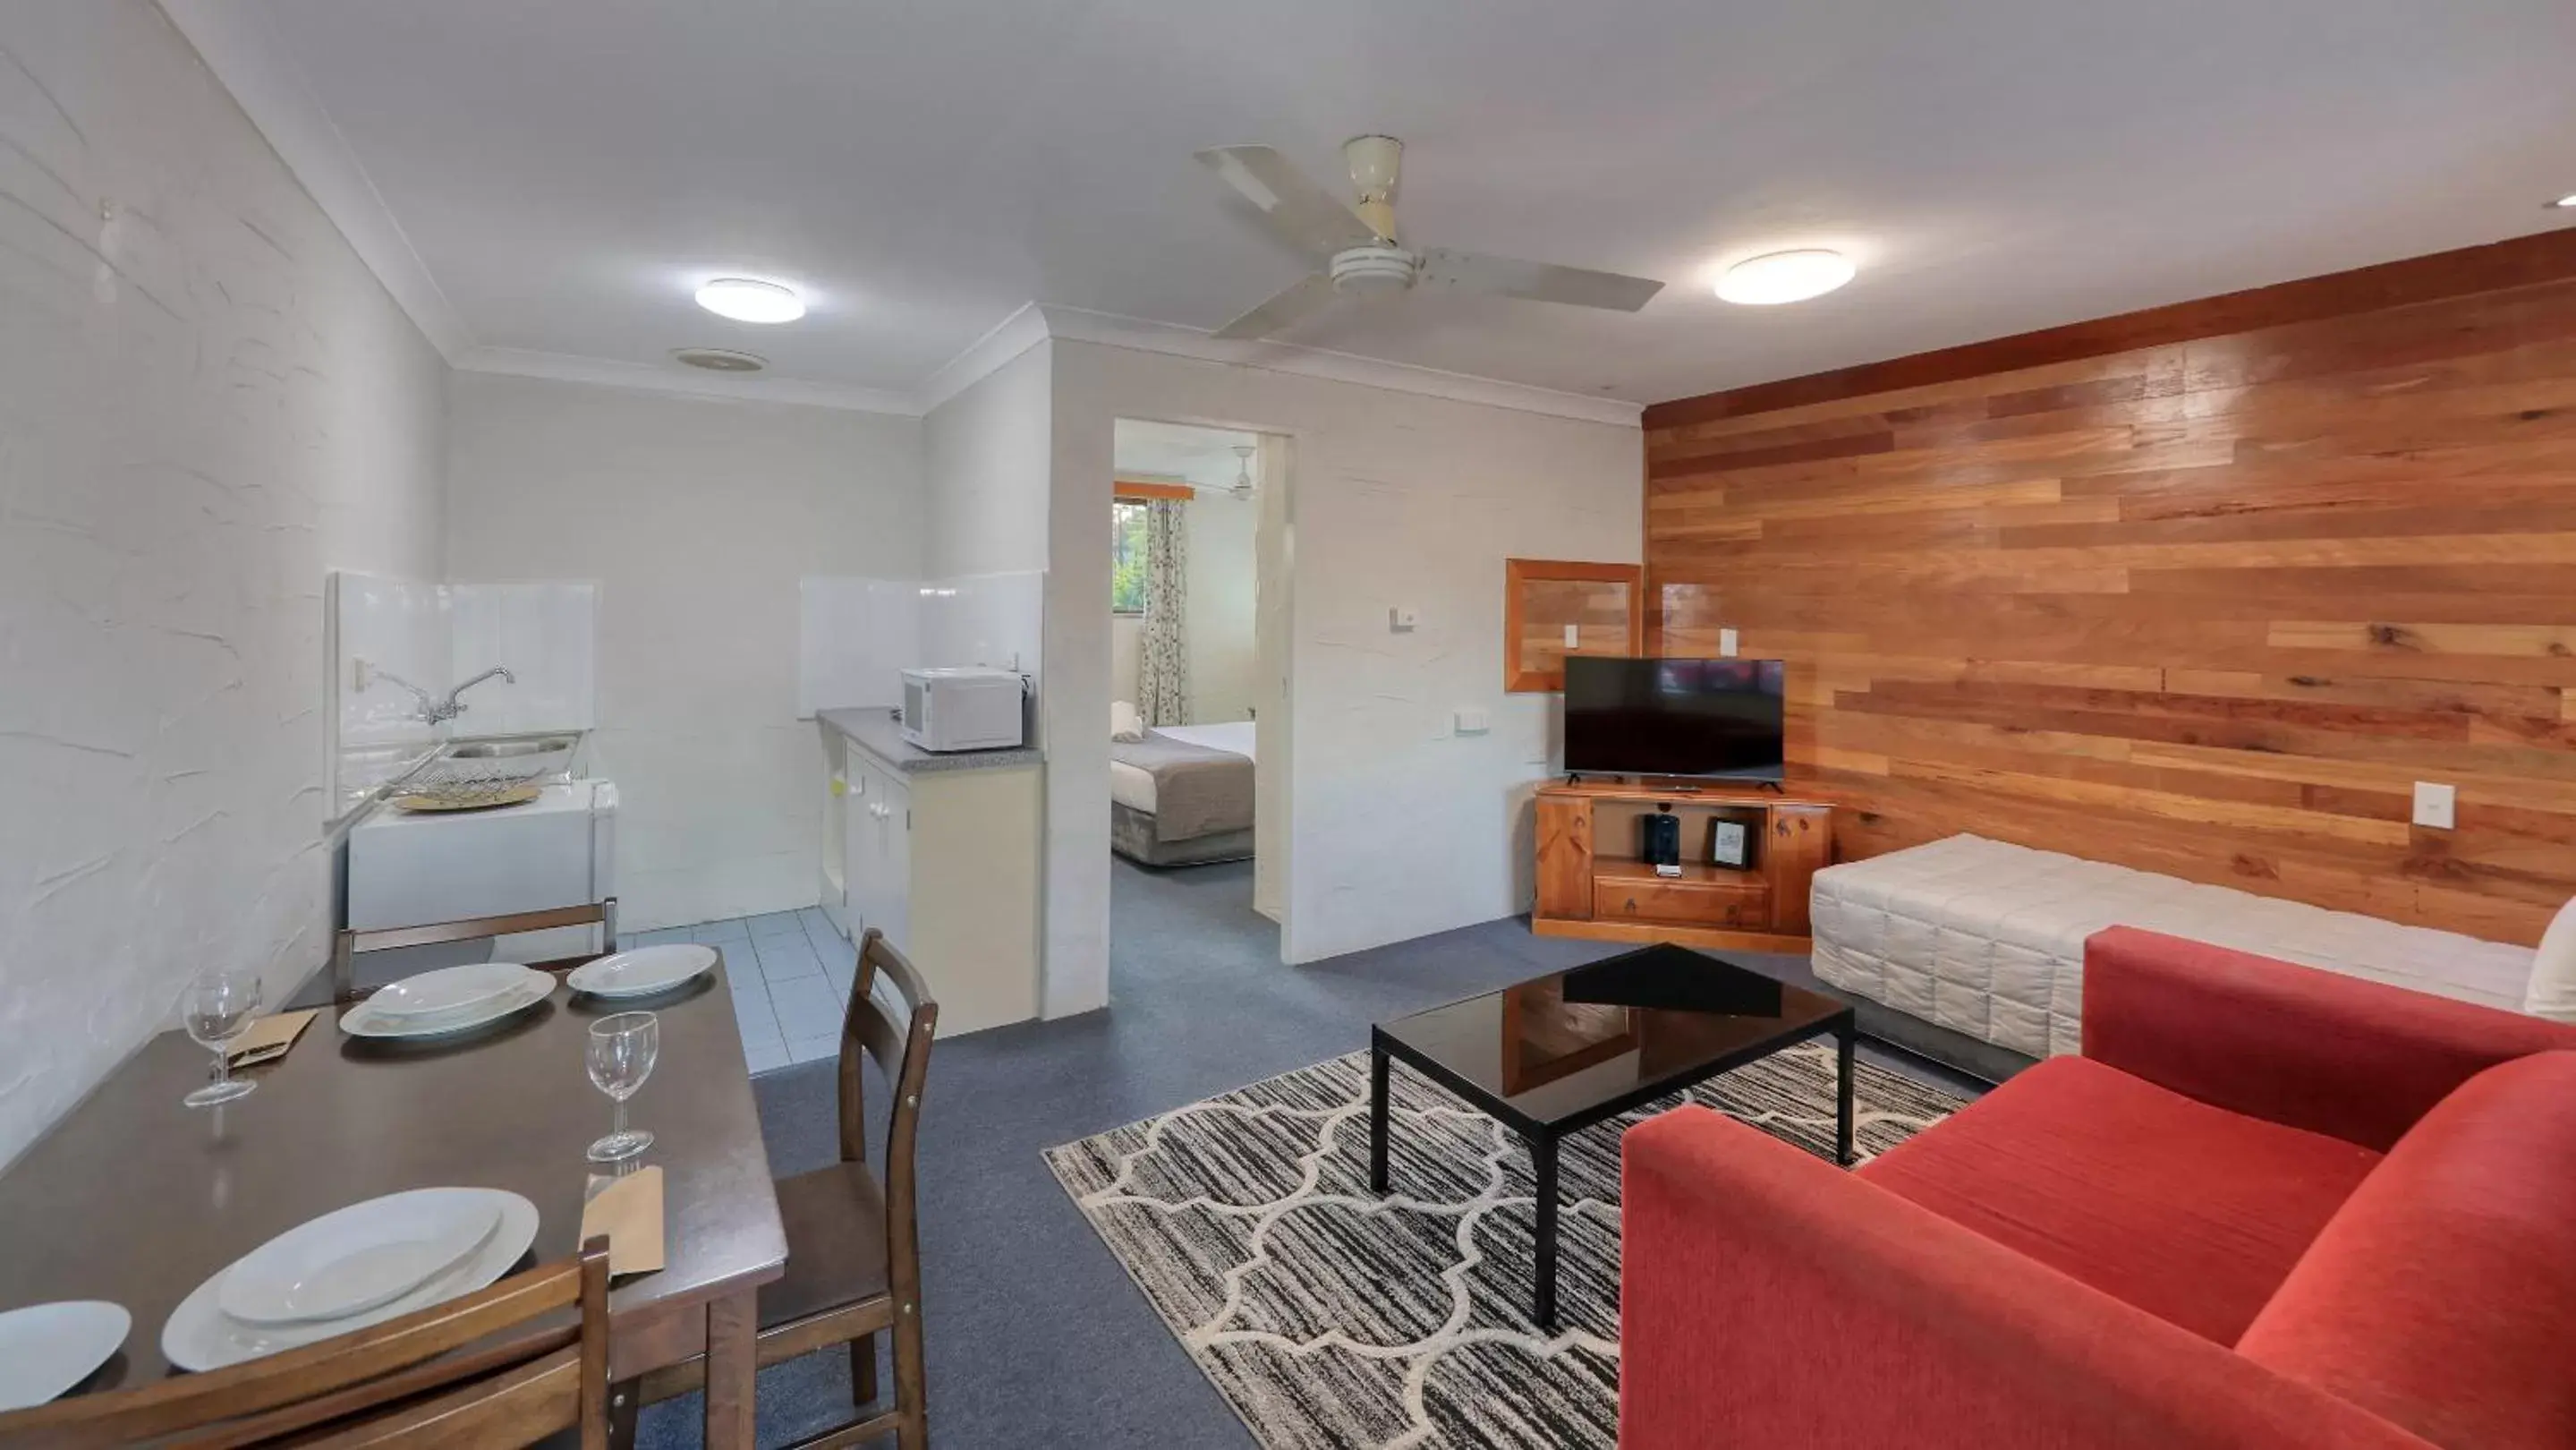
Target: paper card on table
268,1038
629,1211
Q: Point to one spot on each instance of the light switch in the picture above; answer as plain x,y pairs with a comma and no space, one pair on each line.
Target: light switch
1574,636
2435,805
1403,617
1474,720
1726,643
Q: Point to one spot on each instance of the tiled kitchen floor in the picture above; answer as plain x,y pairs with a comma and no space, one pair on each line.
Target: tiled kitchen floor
790,974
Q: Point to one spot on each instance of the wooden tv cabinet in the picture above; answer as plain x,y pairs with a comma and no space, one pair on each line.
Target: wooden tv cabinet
1593,882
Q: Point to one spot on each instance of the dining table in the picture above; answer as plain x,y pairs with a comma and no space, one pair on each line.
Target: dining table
136,1199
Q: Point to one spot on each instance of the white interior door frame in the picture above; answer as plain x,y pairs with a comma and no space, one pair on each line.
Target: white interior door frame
1274,551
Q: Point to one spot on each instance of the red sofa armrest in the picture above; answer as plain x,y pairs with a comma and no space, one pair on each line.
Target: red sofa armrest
1769,1299
2350,1058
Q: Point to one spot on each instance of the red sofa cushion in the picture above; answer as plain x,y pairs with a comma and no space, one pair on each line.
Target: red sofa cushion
2318,1050
2190,1212
2443,1295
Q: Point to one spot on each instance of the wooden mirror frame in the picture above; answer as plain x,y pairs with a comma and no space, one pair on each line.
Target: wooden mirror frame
1519,574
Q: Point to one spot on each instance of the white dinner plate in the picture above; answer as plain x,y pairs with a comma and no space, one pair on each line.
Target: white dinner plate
363,1020
46,1349
353,1259
201,1336
642,972
449,989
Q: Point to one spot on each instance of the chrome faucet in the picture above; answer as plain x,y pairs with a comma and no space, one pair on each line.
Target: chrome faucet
437,711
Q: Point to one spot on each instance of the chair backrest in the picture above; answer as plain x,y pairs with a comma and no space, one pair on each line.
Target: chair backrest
891,1018
428,1378
346,946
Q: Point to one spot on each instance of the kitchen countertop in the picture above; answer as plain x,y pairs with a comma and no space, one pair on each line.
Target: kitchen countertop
876,732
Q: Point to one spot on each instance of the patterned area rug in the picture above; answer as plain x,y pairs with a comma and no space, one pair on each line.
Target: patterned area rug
1330,1318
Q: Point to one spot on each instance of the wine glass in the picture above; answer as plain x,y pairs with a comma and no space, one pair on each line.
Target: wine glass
621,1055
220,1005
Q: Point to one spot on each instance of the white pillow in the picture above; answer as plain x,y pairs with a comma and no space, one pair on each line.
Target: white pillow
1124,723
2552,993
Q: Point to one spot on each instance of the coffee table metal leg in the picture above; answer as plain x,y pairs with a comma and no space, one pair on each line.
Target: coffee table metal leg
1543,1160
1843,1094
1377,1119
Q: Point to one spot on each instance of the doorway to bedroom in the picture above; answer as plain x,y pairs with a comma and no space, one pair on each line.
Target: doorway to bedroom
1198,534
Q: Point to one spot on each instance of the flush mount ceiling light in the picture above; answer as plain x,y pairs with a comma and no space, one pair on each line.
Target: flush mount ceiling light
744,300
2568,201
1778,277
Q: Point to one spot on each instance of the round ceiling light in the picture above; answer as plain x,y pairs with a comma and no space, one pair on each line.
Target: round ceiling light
2568,201
744,300
1784,277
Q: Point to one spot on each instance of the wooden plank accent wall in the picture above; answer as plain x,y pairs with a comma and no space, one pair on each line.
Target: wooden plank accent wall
2204,593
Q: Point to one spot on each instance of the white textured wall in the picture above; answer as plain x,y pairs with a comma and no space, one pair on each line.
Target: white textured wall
1126,654
697,517
1219,625
987,460
1400,827
206,403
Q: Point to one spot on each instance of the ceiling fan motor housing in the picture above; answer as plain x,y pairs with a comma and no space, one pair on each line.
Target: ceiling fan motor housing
1374,269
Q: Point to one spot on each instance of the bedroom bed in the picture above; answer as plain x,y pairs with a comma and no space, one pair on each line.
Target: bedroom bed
1182,794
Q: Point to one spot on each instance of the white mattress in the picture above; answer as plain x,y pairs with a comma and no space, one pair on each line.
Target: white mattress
1988,939
1133,786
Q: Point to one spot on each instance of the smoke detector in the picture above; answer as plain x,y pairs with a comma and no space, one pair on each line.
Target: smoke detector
720,359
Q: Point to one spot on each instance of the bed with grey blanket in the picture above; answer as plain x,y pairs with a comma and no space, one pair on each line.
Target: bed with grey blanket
1178,802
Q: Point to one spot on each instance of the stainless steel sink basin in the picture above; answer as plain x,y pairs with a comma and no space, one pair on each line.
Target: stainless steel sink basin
514,749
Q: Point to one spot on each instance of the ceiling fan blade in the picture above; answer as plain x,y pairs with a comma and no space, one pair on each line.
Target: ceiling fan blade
1302,299
1315,220
1536,281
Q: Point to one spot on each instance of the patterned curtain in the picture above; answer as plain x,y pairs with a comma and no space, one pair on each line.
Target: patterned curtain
1163,669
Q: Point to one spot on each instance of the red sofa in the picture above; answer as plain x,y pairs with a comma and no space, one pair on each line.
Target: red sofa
2267,1206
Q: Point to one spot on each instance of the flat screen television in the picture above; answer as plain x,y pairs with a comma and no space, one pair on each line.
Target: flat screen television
1717,718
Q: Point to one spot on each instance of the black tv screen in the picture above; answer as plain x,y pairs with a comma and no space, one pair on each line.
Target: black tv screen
1673,717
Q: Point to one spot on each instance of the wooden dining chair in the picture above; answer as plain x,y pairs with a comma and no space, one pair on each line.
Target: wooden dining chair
346,946
431,1378
853,1247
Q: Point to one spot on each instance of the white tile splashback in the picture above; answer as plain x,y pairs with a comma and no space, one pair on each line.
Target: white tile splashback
984,619
435,635
856,634
546,633
853,634
400,627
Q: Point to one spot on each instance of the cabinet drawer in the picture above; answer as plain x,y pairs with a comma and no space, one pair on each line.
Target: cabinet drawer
1739,905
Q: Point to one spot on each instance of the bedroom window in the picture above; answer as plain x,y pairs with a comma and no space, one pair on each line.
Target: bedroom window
1127,557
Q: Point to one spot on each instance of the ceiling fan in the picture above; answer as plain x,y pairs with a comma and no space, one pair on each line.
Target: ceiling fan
1357,251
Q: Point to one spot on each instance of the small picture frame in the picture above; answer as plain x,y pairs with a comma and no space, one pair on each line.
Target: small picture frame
1726,846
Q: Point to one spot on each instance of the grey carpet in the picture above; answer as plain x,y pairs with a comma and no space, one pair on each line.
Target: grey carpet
1337,1318
1036,1336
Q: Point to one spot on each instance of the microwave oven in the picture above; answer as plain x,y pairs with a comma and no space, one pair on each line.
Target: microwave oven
964,709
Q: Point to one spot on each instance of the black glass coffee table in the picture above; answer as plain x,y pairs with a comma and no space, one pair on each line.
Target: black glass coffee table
1559,1053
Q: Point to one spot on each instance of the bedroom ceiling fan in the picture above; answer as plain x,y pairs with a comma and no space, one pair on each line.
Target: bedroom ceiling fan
1358,252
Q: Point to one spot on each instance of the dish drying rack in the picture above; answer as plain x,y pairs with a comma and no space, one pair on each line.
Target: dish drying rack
488,772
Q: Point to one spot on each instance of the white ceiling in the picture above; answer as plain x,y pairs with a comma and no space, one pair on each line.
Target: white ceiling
1182,451
567,171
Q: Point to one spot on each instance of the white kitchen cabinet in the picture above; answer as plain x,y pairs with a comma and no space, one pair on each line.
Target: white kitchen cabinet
940,853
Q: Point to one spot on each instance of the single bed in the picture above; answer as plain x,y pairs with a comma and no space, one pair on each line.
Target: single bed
1182,796
1987,938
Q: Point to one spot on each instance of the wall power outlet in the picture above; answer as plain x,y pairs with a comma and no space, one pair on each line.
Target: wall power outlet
2436,805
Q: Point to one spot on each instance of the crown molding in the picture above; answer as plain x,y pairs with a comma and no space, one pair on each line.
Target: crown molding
672,378
1075,324
1025,328
248,60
